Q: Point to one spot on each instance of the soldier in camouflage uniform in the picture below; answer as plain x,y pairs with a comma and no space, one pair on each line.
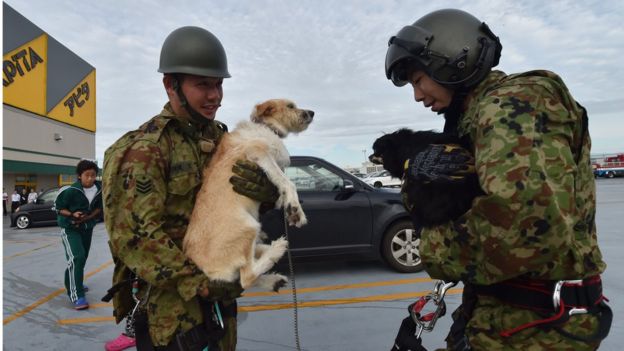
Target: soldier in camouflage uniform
534,227
151,176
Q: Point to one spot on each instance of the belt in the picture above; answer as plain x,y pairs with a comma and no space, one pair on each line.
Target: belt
195,339
555,300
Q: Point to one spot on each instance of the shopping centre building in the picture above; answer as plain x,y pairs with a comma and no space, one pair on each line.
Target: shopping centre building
48,107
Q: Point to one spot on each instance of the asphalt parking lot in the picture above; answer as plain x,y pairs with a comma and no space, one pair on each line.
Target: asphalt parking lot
342,305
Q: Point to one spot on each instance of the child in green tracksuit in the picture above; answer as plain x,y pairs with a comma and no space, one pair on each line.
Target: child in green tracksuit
78,207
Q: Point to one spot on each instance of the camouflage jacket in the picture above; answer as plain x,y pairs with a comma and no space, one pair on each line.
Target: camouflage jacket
536,218
151,177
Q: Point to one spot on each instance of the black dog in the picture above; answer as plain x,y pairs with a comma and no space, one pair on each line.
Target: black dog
434,202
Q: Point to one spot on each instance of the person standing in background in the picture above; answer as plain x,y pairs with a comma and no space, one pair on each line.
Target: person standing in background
32,196
23,197
15,201
5,197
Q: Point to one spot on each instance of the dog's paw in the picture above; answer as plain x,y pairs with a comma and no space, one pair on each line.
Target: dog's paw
278,248
295,215
271,281
280,282
261,237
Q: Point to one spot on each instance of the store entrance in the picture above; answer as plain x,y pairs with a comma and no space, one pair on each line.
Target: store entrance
25,181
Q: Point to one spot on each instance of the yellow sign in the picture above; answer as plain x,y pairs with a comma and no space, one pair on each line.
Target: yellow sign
24,76
78,107
25,82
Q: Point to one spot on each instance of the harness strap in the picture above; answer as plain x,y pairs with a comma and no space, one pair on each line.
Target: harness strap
115,288
538,296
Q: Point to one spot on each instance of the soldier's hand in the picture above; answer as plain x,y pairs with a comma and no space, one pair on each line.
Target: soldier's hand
203,291
441,163
251,181
218,291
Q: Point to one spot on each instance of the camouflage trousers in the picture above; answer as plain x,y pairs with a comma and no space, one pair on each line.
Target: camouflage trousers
228,343
490,318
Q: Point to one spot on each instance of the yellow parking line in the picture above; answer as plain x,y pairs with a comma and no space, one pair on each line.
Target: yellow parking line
100,305
302,304
340,287
345,301
315,289
86,320
26,241
40,302
27,252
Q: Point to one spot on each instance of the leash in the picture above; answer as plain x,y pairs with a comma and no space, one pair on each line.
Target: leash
294,288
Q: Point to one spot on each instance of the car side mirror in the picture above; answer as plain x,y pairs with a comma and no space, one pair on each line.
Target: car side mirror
348,185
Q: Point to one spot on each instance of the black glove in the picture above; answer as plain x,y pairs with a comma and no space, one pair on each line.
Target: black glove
440,163
405,339
251,181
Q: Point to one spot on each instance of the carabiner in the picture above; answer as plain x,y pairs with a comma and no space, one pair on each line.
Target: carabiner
427,321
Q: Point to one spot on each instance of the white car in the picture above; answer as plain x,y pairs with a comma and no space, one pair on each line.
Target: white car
381,178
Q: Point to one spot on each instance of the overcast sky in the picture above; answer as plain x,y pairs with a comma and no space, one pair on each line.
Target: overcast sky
328,56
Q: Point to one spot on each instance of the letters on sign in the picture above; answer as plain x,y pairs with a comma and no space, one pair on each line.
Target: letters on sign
23,59
78,98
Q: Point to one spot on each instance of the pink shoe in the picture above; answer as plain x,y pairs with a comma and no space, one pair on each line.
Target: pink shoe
122,342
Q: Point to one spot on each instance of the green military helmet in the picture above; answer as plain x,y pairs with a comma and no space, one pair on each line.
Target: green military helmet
451,46
193,50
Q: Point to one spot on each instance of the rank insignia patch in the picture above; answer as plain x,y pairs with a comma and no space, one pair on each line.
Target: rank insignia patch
143,185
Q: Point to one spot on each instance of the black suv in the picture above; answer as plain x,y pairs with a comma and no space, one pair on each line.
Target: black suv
346,217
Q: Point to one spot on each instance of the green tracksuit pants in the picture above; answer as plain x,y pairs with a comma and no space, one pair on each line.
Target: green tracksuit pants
77,243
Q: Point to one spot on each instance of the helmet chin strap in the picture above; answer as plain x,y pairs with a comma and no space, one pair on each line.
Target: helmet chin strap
454,111
195,116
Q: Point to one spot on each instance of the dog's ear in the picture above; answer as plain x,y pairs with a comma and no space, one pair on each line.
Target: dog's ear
386,143
263,110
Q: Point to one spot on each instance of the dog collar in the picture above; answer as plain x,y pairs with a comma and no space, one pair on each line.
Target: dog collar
276,131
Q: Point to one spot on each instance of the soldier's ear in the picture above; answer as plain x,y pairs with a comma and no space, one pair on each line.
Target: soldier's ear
168,85
171,83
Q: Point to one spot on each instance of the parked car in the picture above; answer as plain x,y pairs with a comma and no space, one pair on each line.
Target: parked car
346,218
381,179
39,212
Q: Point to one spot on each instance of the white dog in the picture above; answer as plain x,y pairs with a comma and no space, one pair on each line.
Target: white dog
223,236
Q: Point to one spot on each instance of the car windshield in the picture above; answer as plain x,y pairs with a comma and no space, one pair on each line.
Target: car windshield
314,177
373,174
48,196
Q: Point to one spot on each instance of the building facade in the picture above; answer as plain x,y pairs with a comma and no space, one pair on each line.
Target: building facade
48,107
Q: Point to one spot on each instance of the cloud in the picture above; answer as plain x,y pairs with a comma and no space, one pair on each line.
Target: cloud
327,56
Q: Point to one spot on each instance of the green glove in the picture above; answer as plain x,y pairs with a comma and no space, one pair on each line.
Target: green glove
251,181
219,291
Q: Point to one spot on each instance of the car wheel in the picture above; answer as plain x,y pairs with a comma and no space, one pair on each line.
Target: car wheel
377,185
400,247
610,175
22,221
